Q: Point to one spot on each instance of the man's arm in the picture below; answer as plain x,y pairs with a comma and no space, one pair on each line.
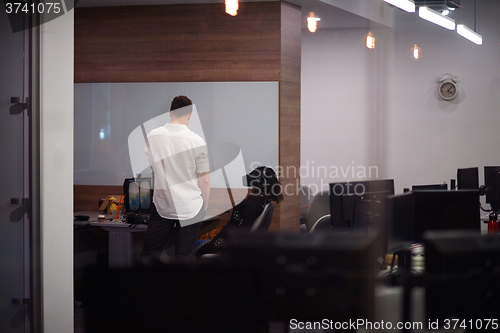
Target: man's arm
204,184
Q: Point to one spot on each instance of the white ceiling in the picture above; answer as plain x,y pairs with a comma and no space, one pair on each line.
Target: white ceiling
331,17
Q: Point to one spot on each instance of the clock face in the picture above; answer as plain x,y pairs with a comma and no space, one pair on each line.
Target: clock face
448,90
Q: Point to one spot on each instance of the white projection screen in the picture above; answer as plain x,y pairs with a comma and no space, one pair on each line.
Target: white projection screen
238,120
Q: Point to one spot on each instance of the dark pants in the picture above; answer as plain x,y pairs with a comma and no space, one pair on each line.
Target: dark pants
162,231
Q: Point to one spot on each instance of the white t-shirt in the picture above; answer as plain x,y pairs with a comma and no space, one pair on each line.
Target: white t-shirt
176,155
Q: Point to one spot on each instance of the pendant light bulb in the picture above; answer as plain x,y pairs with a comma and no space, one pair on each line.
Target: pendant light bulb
232,7
312,22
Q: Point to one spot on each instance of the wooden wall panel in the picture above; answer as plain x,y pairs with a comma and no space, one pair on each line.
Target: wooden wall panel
177,43
289,117
86,197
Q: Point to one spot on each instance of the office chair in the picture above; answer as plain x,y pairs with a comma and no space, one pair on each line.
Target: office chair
263,221
261,224
305,195
322,224
318,209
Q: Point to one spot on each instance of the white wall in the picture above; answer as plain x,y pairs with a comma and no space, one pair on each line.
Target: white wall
382,108
57,173
341,108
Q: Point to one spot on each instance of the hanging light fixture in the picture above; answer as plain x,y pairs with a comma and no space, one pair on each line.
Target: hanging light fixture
370,41
416,52
312,22
436,18
232,7
407,5
468,33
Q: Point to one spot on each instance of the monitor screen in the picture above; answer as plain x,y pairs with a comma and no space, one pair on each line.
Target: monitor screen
137,193
344,195
309,276
429,187
468,179
492,183
461,277
445,210
359,207
400,220
412,214
363,211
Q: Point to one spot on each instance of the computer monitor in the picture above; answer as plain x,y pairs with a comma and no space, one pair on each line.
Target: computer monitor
137,193
492,183
461,278
343,198
400,221
429,187
363,211
412,214
468,178
359,207
309,277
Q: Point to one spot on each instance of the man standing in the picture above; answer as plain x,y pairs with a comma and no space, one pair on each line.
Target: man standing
179,161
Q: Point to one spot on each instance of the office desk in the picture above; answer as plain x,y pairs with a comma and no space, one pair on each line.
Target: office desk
120,241
121,237
120,246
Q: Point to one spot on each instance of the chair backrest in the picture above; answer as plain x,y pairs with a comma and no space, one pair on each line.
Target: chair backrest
305,195
263,222
322,224
319,207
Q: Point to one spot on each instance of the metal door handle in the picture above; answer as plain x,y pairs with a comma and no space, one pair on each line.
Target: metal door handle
20,301
19,201
19,100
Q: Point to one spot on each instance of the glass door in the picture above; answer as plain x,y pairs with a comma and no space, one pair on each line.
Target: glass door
14,187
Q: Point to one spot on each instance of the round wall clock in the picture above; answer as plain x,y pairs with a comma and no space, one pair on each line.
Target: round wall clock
448,90
448,87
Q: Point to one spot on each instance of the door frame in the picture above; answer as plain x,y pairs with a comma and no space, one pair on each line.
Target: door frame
33,262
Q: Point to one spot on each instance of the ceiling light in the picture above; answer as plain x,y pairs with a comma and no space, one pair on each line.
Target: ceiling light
470,34
445,12
370,41
312,23
436,18
407,5
416,52
232,7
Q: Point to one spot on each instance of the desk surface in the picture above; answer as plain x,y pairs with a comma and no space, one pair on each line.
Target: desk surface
116,224
92,216
107,224
110,225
